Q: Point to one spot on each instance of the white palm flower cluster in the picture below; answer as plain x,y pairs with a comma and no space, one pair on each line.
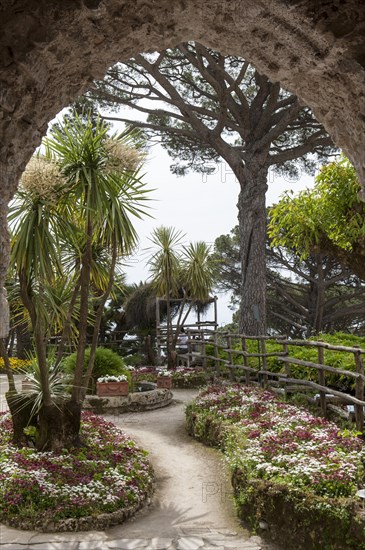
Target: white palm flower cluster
122,157
42,177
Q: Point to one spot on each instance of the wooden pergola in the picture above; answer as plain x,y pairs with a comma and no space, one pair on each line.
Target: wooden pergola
198,326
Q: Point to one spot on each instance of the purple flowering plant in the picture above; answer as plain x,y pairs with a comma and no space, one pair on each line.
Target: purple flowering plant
107,473
274,440
182,377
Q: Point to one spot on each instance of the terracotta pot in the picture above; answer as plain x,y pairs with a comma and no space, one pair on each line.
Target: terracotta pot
164,382
106,389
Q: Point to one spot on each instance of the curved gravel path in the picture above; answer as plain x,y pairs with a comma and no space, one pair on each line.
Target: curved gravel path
192,507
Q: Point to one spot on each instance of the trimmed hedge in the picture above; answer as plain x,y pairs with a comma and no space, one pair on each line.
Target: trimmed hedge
341,360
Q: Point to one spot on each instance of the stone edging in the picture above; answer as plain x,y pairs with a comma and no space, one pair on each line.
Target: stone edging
87,523
134,402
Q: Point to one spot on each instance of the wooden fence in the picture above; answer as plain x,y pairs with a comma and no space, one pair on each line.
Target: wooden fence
247,359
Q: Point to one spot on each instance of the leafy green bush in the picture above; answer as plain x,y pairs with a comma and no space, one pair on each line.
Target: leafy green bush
106,362
135,359
189,379
337,359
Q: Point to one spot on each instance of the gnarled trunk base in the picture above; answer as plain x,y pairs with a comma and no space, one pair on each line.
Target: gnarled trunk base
20,406
59,426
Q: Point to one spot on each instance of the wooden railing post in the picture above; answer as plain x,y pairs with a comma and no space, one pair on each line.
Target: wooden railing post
286,365
262,348
230,357
359,392
245,359
322,381
216,354
158,332
190,348
203,352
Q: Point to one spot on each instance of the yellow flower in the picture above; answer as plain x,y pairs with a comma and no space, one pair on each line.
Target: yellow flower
15,363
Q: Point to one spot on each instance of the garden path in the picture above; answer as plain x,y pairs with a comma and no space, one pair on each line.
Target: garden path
192,507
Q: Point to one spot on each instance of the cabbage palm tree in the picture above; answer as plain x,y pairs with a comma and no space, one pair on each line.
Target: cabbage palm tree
164,266
177,271
87,204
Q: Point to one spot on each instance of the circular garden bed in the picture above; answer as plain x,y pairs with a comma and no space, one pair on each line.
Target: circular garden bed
95,486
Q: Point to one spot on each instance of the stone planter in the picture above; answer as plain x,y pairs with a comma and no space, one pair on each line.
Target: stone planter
164,382
105,389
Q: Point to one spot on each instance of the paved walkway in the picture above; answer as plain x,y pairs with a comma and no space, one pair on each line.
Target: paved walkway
192,507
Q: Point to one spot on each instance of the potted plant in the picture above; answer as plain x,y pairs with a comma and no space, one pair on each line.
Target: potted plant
107,386
164,379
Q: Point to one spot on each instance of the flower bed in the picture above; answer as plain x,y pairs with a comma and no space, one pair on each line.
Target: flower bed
15,364
97,485
293,472
182,377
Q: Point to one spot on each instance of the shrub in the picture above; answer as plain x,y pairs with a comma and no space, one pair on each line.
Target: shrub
135,359
189,378
337,359
106,362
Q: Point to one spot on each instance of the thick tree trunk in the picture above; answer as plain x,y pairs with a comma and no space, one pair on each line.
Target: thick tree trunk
252,227
317,296
149,349
66,332
97,322
59,426
20,406
83,315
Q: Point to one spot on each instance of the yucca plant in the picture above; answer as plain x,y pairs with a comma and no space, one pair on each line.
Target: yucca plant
176,271
77,200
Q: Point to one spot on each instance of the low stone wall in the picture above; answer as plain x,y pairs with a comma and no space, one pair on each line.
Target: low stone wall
134,402
86,523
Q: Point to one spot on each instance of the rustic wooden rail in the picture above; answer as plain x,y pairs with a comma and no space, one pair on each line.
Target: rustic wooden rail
250,359
271,362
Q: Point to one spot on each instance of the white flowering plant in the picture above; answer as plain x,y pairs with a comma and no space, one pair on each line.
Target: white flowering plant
280,442
107,473
112,378
164,372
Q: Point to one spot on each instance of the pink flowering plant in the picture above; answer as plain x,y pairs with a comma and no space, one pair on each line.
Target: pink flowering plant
276,441
182,377
107,473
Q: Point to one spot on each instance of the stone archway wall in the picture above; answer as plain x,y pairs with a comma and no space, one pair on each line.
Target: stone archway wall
51,50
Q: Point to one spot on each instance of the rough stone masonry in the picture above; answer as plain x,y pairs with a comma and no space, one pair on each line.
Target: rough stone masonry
51,50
